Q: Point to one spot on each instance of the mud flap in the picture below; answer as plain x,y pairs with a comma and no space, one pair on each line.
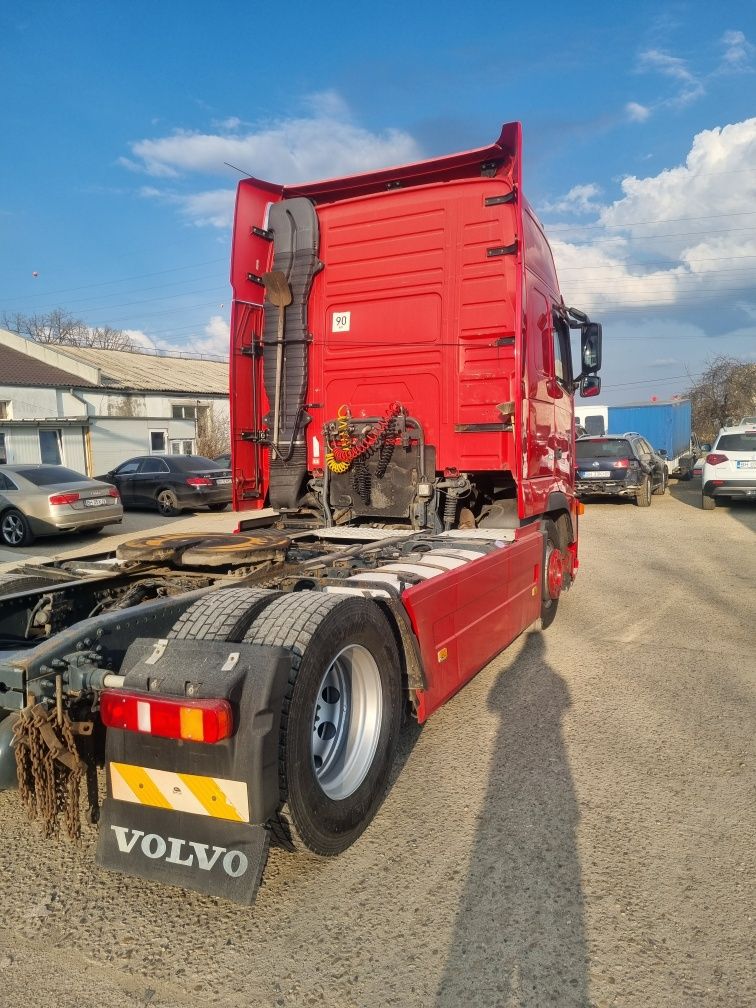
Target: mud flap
187,813
206,855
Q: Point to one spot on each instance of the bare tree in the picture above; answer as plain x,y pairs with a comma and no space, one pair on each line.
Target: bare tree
213,433
59,326
726,391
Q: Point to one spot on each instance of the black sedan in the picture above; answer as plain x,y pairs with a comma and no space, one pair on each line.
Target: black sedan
624,466
172,482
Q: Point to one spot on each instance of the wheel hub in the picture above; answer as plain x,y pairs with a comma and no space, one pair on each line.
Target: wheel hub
555,574
346,722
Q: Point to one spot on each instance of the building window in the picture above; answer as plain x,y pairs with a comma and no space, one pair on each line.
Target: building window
195,411
5,409
157,441
183,447
50,452
3,454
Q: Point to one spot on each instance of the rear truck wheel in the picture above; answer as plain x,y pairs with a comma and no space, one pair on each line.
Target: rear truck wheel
14,529
218,507
662,488
643,497
341,716
167,503
553,575
223,615
708,503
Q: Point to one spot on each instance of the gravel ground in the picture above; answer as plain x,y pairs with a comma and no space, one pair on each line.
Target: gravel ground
575,828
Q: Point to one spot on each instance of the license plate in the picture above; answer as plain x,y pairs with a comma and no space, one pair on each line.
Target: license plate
218,482
747,465
603,474
95,501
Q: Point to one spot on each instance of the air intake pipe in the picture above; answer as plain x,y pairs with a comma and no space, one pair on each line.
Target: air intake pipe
294,225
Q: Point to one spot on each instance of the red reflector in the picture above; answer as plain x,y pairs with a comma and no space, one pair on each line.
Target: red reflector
714,458
199,481
190,720
64,498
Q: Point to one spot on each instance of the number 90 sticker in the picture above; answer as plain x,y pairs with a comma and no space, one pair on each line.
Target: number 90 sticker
341,321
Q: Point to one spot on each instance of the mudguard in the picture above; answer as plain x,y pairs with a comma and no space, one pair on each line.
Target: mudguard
188,813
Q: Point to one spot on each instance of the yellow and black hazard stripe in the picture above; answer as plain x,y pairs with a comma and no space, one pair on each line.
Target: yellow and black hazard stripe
182,792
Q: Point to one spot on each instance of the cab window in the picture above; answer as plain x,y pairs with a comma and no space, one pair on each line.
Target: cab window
560,336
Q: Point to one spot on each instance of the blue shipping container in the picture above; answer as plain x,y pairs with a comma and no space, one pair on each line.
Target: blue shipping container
663,425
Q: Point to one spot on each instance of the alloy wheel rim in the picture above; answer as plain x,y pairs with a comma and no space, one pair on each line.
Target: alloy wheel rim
347,722
13,530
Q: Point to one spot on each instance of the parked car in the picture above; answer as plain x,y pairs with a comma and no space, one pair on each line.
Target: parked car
729,470
625,466
39,500
172,482
698,465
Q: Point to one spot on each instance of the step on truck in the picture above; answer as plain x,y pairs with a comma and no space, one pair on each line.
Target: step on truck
402,388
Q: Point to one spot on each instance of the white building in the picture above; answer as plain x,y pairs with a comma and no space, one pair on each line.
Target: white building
91,409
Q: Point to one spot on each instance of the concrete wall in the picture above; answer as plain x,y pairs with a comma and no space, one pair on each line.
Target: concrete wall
115,439
120,423
22,444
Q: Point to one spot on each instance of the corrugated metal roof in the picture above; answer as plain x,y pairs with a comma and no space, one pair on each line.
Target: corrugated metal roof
153,373
18,368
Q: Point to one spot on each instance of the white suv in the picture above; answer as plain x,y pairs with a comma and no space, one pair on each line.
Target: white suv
729,469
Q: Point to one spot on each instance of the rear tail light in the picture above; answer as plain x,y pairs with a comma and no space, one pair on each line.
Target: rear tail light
714,458
64,498
190,720
113,492
197,481
622,464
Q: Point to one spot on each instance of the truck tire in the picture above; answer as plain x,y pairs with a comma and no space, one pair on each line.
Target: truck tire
340,719
643,497
551,550
224,615
11,583
14,529
708,503
662,488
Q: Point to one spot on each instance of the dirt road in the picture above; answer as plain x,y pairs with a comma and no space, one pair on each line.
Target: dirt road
575,828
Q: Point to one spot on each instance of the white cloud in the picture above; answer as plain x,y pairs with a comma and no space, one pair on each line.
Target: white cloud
140,339
322,144
215,207
580,199
689,224
636,112
217,338
689,85
737,49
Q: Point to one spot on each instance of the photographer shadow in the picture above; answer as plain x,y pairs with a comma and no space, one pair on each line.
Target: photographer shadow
518,938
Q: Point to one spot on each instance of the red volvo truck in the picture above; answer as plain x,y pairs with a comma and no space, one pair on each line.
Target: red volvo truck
403,451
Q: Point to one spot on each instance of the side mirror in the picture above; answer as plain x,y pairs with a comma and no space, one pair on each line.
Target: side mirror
705,447
590,385
662,452
590,348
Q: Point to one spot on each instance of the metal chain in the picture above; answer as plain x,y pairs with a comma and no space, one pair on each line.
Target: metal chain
49,770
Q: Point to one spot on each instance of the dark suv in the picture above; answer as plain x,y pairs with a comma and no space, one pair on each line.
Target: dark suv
625,466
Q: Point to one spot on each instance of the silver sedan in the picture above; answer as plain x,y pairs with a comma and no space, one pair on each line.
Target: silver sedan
38,500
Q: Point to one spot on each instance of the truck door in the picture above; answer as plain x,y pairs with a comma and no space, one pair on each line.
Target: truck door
538,470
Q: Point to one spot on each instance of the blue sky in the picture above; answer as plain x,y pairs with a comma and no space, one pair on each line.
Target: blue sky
640,152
